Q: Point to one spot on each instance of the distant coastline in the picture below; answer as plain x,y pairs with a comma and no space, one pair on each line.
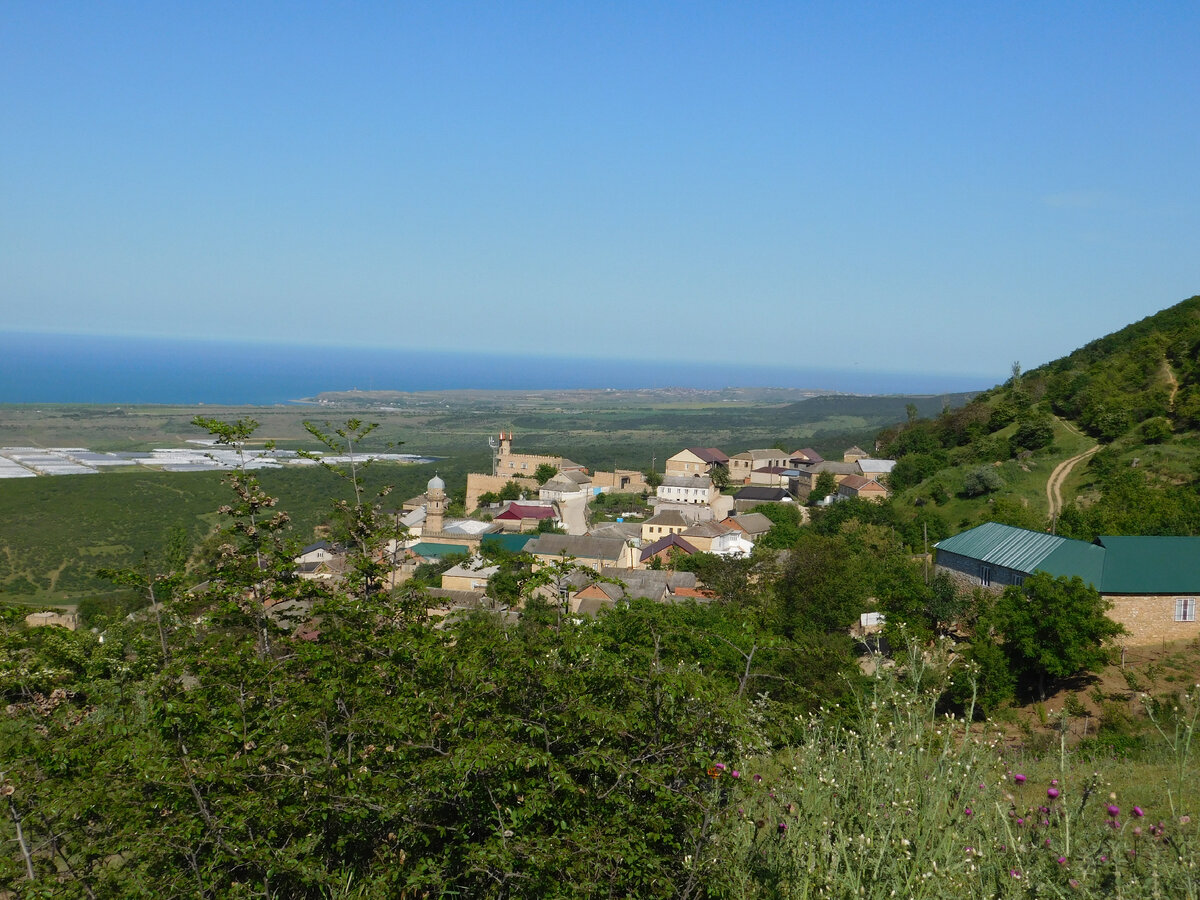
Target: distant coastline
56,368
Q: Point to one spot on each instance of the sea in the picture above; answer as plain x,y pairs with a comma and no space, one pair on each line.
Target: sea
60,368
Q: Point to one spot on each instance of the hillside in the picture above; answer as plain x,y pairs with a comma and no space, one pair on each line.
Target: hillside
1101,440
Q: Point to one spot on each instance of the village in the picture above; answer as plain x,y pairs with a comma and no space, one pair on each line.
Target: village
563,515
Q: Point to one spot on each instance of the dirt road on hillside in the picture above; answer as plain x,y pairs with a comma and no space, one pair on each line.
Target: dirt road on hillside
1059,476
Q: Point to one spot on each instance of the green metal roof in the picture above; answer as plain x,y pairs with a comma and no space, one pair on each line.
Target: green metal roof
1003,545
1151,565
1113,565
513,543
1076,558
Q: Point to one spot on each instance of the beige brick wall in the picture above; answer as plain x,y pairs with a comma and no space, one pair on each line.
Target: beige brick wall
1150,619
622,481
478,483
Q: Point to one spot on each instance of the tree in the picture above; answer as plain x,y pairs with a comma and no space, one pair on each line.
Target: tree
825,485
544,472
822,589
786,528
1053,628
719,473
653,480
510,491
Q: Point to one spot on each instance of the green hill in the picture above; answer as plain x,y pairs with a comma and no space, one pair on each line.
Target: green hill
1127,404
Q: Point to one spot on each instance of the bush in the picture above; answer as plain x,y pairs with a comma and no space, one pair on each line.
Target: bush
983,480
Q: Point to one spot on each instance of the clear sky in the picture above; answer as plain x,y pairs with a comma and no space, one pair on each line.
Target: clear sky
932,187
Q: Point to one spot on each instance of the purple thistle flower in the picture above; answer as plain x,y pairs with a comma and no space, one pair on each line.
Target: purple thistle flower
757,778
1052,793
1137,811
1114,810
735,774
968,811
782,827
1062,860
1019,778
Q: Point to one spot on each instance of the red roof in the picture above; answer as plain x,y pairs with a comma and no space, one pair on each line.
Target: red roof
518,511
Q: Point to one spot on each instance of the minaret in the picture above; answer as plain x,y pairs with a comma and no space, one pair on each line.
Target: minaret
435,506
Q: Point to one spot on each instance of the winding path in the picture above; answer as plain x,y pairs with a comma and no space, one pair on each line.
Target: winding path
1059,476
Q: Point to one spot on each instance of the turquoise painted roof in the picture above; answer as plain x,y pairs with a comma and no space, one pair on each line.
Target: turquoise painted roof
1151,565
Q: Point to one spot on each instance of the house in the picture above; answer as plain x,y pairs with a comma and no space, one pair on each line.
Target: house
773,476
879,469
863,488
805,457
564,485
807,475
854,454
1153,583
697,489
742,464
593,552
469,575
664,547
525,516
696,461
718,539
668,521
753,525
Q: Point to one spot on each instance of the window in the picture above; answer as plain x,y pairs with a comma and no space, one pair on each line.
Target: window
1185,609
985,575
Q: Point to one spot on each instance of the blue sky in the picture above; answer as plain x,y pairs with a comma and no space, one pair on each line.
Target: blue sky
933,187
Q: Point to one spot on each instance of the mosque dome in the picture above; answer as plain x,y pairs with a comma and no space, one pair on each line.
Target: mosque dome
436,484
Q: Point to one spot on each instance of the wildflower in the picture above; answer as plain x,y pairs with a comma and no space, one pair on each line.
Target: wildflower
968,811
1074,882
1062,860
1137,831
1114,810
757,778
1184,820
1137,811
782,827
1015,873
735,774
1019,778
1052,793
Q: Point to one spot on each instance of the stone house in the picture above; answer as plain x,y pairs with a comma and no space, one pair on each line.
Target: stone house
742,464
695,461
667,521
862,488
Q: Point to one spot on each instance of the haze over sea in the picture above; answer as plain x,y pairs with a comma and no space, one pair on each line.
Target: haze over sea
56,368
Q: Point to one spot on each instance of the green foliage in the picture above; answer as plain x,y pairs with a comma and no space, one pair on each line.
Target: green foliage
544,472
982,480
1052,628
510,491
1034,432
653,479
785,530
825,485
822,589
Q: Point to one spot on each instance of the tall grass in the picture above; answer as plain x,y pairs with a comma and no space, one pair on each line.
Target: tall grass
906,802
